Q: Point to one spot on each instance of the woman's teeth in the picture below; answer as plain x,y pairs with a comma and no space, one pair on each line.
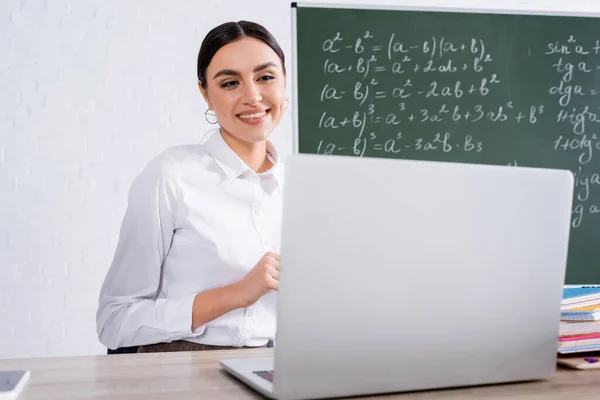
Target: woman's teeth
255,115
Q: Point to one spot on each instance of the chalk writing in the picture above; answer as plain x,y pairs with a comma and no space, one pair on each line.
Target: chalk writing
384,94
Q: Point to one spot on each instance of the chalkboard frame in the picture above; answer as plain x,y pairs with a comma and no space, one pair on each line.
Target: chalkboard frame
384,7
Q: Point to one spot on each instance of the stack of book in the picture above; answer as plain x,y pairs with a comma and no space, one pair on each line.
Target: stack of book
580,320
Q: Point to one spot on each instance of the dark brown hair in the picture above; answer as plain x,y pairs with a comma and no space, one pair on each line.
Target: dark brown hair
230,32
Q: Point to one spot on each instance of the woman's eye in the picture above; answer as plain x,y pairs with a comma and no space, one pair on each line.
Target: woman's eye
266,78
227,85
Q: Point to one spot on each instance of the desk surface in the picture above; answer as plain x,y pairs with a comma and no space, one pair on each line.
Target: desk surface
195,375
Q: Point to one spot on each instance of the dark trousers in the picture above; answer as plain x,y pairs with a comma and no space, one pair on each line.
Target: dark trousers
134,349
123,350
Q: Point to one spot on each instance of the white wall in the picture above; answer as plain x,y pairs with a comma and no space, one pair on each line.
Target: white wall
89,92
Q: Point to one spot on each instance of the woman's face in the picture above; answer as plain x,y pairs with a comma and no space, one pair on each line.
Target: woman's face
246,89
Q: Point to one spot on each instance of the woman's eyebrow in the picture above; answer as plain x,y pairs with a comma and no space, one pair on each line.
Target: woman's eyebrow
231,72
226,72
264,66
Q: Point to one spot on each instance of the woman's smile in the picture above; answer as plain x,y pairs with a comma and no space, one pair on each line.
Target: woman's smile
254,118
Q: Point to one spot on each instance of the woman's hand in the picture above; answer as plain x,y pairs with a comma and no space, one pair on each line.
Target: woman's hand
213,303
260,280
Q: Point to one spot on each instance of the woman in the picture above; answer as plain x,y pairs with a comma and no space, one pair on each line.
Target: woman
196,266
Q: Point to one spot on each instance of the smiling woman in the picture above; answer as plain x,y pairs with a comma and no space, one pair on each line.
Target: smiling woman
197,264
241,75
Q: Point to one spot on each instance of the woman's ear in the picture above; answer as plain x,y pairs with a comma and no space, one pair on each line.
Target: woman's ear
204,95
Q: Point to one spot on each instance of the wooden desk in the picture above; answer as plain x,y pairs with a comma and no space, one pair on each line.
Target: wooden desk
196,375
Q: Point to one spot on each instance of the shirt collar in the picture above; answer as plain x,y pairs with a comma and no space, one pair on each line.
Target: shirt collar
233,166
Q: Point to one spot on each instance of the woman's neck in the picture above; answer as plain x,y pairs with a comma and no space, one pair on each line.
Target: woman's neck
254,155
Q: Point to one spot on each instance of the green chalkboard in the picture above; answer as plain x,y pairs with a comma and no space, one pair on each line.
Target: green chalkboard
475,87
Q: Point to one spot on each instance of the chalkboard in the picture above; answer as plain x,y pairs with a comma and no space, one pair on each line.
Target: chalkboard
459,86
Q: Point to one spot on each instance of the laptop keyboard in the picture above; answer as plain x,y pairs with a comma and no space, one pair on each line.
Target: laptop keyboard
268,375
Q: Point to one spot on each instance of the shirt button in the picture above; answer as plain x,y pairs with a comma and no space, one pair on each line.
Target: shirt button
256,211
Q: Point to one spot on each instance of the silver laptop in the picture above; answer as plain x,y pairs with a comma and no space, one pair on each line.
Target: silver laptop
402,275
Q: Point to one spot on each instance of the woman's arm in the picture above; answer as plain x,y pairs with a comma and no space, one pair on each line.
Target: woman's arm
128,314
213,303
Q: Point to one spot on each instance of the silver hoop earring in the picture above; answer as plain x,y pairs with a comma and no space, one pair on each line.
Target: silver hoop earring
208,113
287,103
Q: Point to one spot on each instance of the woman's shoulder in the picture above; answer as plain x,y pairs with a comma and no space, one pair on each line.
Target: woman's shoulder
170,162
180,154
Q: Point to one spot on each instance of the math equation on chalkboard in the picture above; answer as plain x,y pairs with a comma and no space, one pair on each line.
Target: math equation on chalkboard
527,100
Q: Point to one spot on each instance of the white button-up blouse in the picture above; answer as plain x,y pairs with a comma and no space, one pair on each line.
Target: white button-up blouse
197,218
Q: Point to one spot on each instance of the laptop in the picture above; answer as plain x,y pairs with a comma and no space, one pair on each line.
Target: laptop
400,275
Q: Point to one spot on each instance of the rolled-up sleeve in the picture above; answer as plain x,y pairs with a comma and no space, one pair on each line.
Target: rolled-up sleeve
129,312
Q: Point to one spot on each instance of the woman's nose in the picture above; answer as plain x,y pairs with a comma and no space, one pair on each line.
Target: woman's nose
252,95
